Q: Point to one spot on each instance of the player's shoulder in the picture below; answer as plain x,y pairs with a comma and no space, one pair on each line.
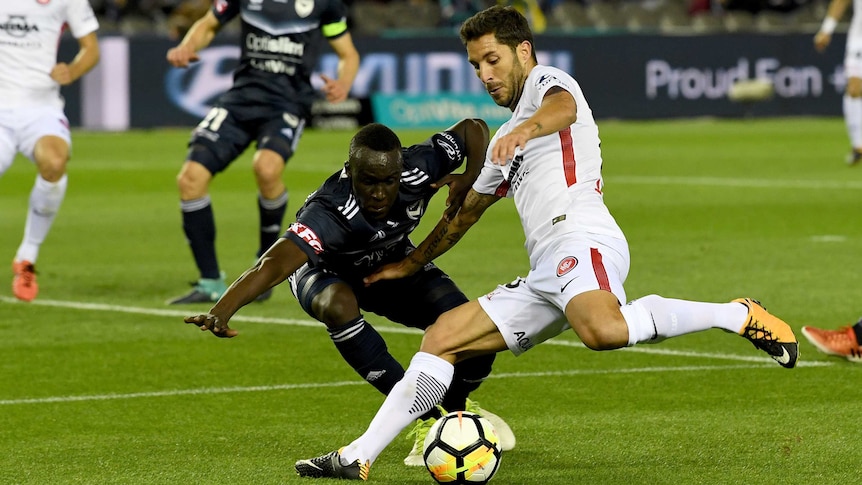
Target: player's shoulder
543,77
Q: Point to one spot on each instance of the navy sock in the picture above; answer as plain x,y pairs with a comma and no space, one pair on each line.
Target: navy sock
271,216
858,329
199,226
364,349
469,375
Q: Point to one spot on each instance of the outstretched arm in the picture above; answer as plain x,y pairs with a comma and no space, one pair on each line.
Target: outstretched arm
558,110
336,90
446,234
84,61
279,262
474,132
833,15
199,36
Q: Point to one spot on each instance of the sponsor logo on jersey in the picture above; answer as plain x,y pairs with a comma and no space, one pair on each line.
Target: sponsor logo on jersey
273,45
448,144
567,264
544,80
17,26
304,7
307,235
221,6
380,234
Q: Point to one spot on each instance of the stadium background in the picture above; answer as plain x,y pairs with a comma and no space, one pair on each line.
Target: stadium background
633,63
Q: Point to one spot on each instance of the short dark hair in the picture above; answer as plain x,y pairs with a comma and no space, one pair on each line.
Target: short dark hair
376,137
505,22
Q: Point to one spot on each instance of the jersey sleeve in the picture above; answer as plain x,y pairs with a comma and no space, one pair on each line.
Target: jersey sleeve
225,10
316,231
333,21
548,79
81,18
450,150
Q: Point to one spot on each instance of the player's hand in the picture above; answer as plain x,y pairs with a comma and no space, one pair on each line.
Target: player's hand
62,74
214,324
459,185
182,56
335,92
821,41
506,146
391,271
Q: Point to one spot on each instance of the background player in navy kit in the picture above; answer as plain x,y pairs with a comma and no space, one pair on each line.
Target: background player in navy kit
268,103
358,220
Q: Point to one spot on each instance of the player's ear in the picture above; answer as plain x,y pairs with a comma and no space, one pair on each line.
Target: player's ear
525,51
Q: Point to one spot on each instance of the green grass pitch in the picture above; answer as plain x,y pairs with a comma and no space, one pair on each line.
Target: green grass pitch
102,383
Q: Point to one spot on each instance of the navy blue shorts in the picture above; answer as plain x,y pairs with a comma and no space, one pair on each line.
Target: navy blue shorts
229,128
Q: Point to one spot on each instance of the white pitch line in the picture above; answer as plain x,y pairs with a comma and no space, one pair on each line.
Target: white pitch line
382,328
735,182
284,387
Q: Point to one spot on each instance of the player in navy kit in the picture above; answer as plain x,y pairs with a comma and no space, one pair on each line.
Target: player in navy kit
358,220
268,104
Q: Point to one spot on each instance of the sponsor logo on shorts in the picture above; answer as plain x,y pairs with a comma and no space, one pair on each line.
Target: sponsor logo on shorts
567,264
307,235
524,342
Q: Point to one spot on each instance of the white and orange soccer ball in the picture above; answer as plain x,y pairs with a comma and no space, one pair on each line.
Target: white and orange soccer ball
462,448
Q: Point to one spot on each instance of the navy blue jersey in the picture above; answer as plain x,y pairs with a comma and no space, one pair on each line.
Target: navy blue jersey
336,236
281,42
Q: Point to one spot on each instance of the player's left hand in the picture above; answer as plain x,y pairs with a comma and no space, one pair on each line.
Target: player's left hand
62,74
334,91
459,184
214,324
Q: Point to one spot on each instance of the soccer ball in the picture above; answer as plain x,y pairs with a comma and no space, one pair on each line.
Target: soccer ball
462,448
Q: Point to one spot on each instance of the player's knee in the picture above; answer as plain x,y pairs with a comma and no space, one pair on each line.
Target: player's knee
192,181
336,305
606,332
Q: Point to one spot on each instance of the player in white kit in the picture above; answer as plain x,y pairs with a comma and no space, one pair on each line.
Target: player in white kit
32,120
547,157
852,104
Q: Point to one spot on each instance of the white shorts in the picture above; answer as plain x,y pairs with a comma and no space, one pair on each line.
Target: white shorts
21,128
853,58
530,310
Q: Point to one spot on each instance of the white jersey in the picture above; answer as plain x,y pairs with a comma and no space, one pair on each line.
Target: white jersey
556,180
29,37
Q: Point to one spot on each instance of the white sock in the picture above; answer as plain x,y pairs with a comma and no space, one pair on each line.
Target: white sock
45,200
653,318
853,120
422,387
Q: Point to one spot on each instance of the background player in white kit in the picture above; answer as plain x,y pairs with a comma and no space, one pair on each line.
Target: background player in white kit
547,157
32,120
852,68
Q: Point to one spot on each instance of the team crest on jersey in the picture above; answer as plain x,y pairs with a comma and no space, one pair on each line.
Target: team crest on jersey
567,264
414,211
304,7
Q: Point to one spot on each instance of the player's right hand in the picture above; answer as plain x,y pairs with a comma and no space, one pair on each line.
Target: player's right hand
390,271
182,55
821,41
214,324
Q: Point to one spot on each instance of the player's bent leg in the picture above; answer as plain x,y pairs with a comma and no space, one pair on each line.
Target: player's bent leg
595,316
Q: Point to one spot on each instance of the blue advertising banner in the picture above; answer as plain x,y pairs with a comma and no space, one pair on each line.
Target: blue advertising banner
427,81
